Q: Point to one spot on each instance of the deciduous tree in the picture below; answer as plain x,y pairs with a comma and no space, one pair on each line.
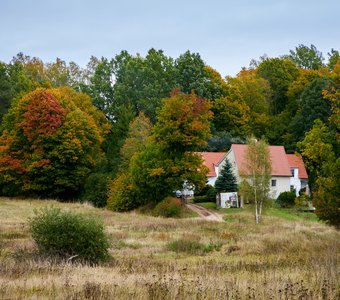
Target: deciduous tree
307,57
256,175
50,143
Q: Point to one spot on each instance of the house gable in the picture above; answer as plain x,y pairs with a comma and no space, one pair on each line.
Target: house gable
281,172
296,162
280,166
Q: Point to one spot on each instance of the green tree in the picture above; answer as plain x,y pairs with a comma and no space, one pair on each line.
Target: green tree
256,174
139,132
280,73
307,57
322,161
313,106
50,143
327,195
13,82
121,196
256,94
226,181
333,58
317,150
183,123
183,126
232,116
191,73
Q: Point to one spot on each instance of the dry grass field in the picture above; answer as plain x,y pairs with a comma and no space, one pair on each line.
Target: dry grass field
285,257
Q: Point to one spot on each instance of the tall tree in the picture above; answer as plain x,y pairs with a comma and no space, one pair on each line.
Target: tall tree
317,150
323,164
307,57
256,93
183,125
313,106
226,181
280,73
50,142
232,116
256,175
333,58
121,195
13,82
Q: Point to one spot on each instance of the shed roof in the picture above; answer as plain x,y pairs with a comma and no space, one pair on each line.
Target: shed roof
280,166
295,161
212,159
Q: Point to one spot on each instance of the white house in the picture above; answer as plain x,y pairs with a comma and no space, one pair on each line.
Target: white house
288,170
281,172
214,161
299,176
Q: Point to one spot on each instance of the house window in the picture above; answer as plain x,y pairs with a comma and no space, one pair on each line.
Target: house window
273,182
292,170
292,188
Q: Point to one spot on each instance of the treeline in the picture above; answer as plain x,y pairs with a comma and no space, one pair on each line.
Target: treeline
69,131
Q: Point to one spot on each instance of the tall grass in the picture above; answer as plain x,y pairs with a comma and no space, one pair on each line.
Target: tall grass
278,259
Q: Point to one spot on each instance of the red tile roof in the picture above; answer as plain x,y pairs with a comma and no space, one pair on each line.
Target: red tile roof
295,161
212,159
280,166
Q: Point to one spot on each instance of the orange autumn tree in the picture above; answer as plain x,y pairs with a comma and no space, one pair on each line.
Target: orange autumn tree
49,144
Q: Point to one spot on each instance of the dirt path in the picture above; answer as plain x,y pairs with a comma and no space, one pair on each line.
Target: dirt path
205,213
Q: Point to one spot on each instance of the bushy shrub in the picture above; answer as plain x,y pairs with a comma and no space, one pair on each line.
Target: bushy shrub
121,197
286,199
208,194
68,234
95,189
211,195
200,199
170,207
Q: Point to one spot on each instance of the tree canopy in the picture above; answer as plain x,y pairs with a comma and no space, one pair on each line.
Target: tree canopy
50,142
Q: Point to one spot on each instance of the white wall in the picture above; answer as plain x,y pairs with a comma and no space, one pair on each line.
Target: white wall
282,185
211,180
296,182
232,160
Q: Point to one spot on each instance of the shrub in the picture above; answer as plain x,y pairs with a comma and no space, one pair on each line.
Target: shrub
200,199
208,194
286,199
170,207
121,196
67,234
211,195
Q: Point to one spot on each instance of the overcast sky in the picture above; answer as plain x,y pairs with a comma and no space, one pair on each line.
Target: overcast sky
227,34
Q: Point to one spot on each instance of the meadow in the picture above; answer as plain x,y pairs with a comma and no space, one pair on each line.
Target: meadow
289,256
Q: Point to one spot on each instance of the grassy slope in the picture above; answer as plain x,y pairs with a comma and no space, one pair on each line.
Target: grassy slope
284,257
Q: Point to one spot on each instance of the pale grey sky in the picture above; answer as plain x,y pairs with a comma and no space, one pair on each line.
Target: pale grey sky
227,34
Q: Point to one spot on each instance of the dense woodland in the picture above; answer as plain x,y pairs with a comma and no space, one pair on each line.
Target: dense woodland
123,131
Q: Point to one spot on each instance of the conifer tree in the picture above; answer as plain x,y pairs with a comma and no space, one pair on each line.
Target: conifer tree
226,181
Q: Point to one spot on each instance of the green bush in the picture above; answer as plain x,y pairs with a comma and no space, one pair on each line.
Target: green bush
95,189
200,199
208,194
121,196
286,199
170,207
211,195
67,234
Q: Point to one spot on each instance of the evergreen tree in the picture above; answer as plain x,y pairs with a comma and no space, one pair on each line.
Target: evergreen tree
226,181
